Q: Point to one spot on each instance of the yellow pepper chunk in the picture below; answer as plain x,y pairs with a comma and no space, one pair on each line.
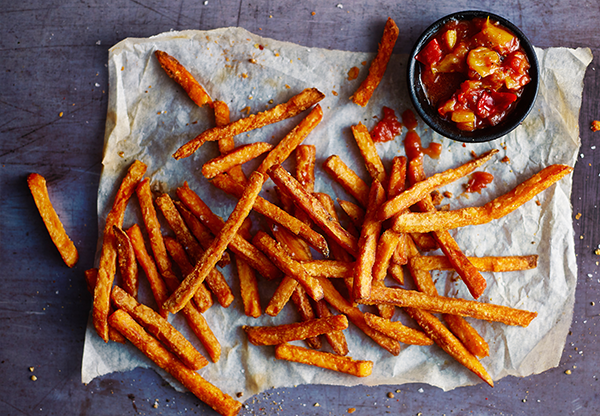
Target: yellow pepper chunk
498,37
483,60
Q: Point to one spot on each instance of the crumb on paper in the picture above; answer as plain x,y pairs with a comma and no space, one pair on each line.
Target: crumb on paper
595,125
353,73
448,194
244,75
505,159
473,154
537,202
334,93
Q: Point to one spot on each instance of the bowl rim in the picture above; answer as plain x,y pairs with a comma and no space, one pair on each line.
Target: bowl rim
449,129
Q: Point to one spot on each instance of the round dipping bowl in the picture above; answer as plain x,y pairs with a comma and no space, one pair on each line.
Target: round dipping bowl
446,128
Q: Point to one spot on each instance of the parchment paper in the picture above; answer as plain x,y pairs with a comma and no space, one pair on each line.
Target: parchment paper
149,117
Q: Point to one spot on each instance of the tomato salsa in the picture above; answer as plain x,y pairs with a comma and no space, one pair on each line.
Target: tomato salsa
474,72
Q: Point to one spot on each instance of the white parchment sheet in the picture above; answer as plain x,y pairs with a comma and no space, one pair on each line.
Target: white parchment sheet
150,117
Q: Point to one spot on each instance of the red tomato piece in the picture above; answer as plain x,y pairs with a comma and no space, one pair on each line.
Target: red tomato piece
431,54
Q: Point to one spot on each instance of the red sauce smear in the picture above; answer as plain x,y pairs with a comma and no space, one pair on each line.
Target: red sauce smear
479,181
409,119
412,145
412,142
387,128
434,150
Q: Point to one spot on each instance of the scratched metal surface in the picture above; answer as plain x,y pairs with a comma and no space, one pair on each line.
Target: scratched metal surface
53,63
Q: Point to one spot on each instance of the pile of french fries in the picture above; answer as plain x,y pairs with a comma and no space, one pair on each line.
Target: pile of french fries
304,251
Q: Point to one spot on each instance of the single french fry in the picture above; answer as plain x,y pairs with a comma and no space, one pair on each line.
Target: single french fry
160,328
274,335
453,306
397,181
424,187
157,285
108,256
288,265
300,299
395,270
152,348
126,261
467,335
282,294
226,143
200,231
397,330
336,339
209,259
248,288
90,278
386,246
367,244
358,368
347,178
202,297
354,212
292,140
306,155
276,214
238,245
313,208
484,264
295,105
424,241
369,153
66,248
400,257
237,156
330,269
214,280
449,343
496,208
378,65
182,76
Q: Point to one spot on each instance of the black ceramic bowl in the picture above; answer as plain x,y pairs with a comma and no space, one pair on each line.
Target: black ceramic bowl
448,129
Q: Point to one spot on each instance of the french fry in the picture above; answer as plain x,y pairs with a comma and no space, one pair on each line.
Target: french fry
289,266
160,328
470,338
209,259
330,269
358,368
367,244
202,297
214,280
424,241
354,212
424,187
282,294
295,105
307,313
182,76
239,245
157,285
108,256
386,247
313,208
484,264
495,209
237,156
90,278
126,261
248,288
369,153
449,343
347,178
276,214
292,140
226,143
66,248
378,65
336,339
453,306
397,330
152,348
397,182
274,335
306,156
396,271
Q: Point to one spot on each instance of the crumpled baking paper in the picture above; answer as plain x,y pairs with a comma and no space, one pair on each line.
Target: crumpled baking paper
150,116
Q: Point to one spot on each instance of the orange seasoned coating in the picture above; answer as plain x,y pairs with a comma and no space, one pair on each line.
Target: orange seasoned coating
358,368
183,77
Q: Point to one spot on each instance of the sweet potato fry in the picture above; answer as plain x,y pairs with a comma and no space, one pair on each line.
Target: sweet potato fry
295,105
354,212
306,155
209,259
442,304
248,288
274,335
369,153
347,178
397,182
126,261
367,244
239,245
386,246
66,248
153,349
336,339
397,330
160,328
496,208
288,265
300,299
237,156
484,264
470,338
276,214
424,241
108,256
358,368
182,76
424,187
282,294
226,143
330,269
396,271
157,285
378,65
90,278
292,140
313,208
